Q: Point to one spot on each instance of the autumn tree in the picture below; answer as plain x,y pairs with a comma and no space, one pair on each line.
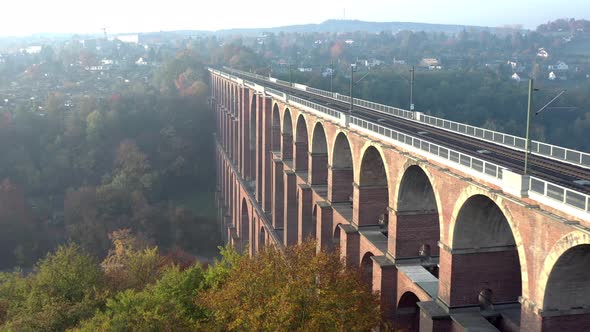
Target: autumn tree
294,290
131,263
65,287
180,74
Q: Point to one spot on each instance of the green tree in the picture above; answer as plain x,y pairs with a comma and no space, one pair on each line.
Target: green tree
95,127
66,287
167,305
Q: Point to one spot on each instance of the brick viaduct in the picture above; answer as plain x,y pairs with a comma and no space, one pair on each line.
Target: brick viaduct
444,251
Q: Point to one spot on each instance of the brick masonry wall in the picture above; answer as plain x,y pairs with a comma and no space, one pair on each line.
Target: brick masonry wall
319,168
372,202
305,222
290,226
300,154
463,276
409,232
278,184
340,185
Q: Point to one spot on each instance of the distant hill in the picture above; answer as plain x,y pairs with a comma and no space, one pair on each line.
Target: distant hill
335,26
331,26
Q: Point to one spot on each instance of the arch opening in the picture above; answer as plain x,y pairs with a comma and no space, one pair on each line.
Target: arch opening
244,226
373,190
276,129
483,241
319,156
367,269
301,150
417,221
253,243
236,100
287,136
336,237
416,193
481,224
341,175
568,286
311,228
408,313
262,239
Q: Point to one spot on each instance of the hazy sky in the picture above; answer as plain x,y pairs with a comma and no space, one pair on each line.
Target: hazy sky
22,17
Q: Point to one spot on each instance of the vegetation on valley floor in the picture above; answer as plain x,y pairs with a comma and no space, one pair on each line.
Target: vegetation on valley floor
135,288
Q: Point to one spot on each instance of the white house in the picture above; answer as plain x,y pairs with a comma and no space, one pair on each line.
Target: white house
512,64
561,66
305,69
141,62
542,53
515,77
552,76
372,62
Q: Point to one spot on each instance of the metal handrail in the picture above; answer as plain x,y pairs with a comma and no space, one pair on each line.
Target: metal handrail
317,107
547,150
460,158
560,194
275,92
518,143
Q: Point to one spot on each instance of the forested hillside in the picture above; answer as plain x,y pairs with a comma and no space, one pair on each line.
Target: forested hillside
136,155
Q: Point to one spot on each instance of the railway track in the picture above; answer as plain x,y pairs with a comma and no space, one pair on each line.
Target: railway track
560,173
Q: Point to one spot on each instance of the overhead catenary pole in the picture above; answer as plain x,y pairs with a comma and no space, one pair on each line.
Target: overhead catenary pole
351,86
527,147
332,75
528,128
412,88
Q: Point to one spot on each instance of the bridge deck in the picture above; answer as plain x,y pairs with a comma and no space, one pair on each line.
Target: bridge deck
562,173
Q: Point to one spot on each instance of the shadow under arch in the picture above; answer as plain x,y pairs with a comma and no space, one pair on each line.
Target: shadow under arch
341,175
275,144
417,221
564,277
301,149
287,136
244,226
407,315
372,205
318,174
483,238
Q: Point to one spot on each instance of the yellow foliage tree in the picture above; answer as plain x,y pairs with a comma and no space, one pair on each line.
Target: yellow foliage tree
130,264
294,290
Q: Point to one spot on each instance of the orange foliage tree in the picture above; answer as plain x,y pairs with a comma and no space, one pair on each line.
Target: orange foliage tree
294,290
